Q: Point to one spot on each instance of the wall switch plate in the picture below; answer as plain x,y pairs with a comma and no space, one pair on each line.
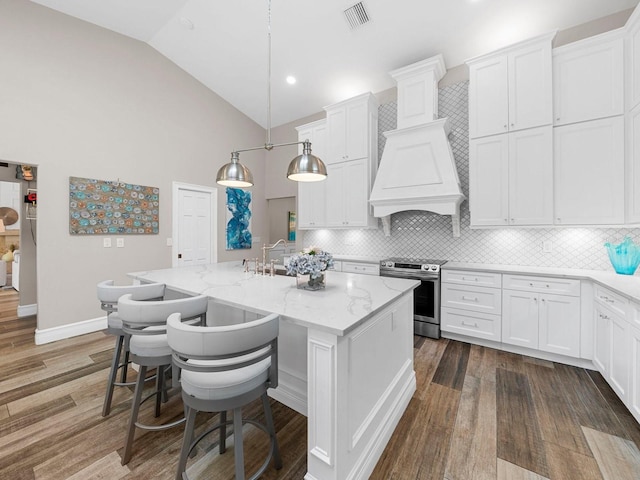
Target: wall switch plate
169,242
106,242
547,246
119,242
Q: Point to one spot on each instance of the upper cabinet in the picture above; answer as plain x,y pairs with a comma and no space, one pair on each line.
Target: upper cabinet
312,195
347,142
349,128
588,79
510,89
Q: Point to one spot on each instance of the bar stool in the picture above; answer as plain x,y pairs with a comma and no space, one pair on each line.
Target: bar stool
146,323
224,368
108,294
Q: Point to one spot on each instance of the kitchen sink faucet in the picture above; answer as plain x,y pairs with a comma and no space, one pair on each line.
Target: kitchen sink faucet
266,247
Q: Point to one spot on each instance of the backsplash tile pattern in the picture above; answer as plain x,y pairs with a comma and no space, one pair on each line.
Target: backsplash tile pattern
428,235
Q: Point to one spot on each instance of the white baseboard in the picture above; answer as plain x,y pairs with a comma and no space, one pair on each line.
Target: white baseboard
53,334
27,310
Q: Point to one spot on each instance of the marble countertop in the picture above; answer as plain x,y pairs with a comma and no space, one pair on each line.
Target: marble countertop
626,285
347,301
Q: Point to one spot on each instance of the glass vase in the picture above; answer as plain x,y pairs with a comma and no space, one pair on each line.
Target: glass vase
305,282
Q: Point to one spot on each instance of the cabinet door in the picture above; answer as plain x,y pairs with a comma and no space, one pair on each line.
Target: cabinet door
488,97
355,193
336,139
633,59
334,194
357,131
633,165
588,80
560,324
311,204
530,97
589,172
488,180
633,400
520,318
531,177
619,372
602,340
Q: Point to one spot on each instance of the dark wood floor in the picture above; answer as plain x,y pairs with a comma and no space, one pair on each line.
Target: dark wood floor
477,414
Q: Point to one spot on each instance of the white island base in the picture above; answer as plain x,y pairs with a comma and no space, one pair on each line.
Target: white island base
345,355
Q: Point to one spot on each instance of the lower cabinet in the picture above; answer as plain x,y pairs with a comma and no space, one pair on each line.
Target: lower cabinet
549,322
611,354
633,400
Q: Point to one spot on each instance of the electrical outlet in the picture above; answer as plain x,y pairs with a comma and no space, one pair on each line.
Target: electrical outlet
119,242
106,242
547,246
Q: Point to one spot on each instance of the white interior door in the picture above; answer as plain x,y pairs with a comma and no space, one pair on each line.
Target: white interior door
194,225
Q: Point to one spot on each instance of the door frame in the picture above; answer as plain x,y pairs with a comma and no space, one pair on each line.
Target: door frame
213,206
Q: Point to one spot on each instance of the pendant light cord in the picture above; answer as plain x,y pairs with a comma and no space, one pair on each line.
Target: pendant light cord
268,145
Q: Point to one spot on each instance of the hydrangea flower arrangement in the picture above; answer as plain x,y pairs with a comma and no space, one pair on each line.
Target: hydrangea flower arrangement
312,261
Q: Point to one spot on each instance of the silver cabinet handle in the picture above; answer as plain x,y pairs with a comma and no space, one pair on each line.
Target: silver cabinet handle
470,299
474,325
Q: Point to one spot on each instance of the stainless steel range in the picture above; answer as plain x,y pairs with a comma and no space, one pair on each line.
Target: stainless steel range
426,297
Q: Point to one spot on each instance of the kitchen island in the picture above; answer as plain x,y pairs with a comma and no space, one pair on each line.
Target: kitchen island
345,353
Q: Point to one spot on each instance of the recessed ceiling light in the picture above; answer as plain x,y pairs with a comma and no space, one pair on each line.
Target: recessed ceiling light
291,79
186,23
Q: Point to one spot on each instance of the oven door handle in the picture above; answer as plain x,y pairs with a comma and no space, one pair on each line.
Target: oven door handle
408,276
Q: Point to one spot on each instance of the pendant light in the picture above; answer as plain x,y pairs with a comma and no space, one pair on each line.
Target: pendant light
303,168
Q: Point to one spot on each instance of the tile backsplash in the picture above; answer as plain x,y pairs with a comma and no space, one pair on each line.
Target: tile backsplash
428,235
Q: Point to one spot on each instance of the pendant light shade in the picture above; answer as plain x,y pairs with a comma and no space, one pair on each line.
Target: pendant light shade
307,167
234,174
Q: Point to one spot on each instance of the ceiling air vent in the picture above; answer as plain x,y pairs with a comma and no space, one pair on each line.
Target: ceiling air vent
356,15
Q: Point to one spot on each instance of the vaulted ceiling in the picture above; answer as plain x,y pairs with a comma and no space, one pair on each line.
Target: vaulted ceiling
223,43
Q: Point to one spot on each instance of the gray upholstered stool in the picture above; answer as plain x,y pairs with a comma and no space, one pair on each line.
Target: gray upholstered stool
108,294
146,323
224,368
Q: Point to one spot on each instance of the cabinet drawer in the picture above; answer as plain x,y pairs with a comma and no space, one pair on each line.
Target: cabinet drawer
473,324
613,301
480,279
560,286
365,268
477,299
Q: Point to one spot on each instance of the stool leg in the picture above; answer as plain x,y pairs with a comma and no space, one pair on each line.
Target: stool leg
125,367
237,443
186,442
135,408
223,432
115,361
277,460
159,388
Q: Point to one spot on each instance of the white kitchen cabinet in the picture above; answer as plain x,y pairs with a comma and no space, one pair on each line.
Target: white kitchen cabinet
312,195
520,319
633,165
471,304
542,313
351,128
589,172
589,79
633,399
511,89
363,268
612,344
347,193
511,178
633,59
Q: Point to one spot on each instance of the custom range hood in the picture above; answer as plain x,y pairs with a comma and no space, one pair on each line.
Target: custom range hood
417,170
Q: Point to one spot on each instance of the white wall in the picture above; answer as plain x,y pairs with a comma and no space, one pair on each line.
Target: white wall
79,100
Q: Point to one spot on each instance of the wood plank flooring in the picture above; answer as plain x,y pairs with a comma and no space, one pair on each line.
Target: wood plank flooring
477,414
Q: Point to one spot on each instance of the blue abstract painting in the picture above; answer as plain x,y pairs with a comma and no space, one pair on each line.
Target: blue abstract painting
238,219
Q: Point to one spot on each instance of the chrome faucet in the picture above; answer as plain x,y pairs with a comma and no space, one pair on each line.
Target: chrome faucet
266,247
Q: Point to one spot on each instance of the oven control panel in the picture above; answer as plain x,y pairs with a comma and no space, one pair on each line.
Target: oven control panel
404,265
